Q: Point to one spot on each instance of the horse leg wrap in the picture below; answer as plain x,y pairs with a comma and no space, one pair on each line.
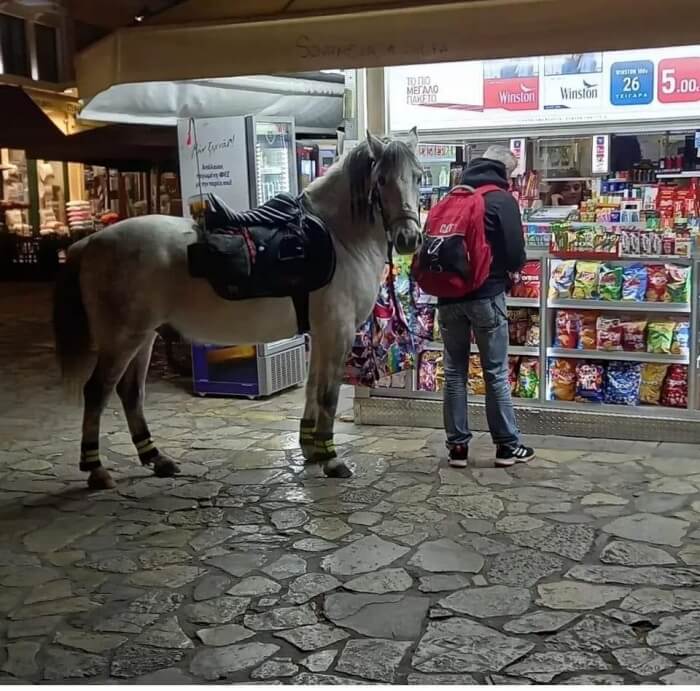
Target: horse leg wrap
90,456
307,430
146,448
324,448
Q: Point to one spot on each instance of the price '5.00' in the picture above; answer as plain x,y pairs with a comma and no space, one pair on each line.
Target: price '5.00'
679,80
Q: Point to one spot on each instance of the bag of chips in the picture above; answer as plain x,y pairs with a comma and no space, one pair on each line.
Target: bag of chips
561,280
428,370
587,336
567,329
634,283
653,376
633,336
608,333
425,322
610,282
622,383
681,339
526,282
586,282
657,283
513,364
678,286
562,380
533,330
589,382
660,337
529,378
675,388
518,323
476,384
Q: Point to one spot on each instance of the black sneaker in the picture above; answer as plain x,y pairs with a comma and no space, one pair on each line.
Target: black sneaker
459,456
507,456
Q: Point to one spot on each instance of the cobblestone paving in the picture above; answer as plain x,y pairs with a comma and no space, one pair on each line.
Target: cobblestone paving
583,567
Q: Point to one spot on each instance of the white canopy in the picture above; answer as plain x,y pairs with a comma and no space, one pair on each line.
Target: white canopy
315,100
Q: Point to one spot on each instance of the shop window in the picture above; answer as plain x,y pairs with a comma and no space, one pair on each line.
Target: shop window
13,44
15,192
52,197
46,53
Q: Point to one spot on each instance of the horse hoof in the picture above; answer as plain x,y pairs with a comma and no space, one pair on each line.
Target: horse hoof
340,470
100,479
165,467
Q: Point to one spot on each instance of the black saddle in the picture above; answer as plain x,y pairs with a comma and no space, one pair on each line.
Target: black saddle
276,250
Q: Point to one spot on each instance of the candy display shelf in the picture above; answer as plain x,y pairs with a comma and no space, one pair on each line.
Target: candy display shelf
623,355
543,416
681,174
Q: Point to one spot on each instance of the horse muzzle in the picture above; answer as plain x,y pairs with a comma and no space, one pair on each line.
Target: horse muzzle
408,238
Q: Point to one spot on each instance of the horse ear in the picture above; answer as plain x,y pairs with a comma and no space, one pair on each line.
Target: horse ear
376,146
412,139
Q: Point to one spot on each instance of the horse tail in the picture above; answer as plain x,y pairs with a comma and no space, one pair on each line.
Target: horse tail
70,321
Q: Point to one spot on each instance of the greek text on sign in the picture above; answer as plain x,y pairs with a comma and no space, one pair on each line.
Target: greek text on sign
632,83
421,91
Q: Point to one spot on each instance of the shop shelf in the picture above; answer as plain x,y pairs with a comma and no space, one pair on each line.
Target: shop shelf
530,351
621,306
522,302
681,174
618,355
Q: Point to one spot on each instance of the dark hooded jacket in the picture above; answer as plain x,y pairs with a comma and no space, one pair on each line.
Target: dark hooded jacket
503,226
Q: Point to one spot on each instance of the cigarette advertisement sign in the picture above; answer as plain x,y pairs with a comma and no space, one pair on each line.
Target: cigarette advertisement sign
622,86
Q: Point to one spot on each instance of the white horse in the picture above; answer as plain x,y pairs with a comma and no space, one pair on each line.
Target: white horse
124,282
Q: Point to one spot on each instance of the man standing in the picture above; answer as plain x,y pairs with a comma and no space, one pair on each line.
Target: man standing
483,312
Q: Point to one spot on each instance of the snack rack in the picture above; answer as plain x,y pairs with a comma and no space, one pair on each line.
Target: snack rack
401,399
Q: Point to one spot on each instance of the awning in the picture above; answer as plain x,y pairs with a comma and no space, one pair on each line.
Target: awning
23,123
124,147
213,38
314,100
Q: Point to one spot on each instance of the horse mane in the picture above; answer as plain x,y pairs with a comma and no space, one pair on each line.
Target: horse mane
359,165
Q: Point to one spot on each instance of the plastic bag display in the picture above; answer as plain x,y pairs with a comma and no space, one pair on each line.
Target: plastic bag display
653,375
590,380
586,281
608,333
681,339
634,336
567,328
674,393
425,322
561,280
610,281
587,337
532,337
657,283
518,324
622,383
660,337
526,282
634,283
429,363
562,380
529,378
475,383
678,283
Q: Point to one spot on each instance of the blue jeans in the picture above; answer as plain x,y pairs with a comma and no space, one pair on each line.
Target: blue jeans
488,319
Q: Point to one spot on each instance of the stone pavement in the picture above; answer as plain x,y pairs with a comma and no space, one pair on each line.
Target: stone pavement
583,567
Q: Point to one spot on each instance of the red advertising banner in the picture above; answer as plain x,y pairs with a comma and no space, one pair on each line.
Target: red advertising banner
517,93
679,80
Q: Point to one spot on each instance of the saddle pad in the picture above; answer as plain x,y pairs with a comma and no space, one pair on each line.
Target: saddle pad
276,250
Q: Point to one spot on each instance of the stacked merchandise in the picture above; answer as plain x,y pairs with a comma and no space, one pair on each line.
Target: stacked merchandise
589,330
618,383
80,220
593,280
49,224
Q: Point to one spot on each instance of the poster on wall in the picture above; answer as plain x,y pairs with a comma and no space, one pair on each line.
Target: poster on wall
213,158
577,88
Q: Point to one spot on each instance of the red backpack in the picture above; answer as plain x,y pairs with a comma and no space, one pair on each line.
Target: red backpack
455,258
